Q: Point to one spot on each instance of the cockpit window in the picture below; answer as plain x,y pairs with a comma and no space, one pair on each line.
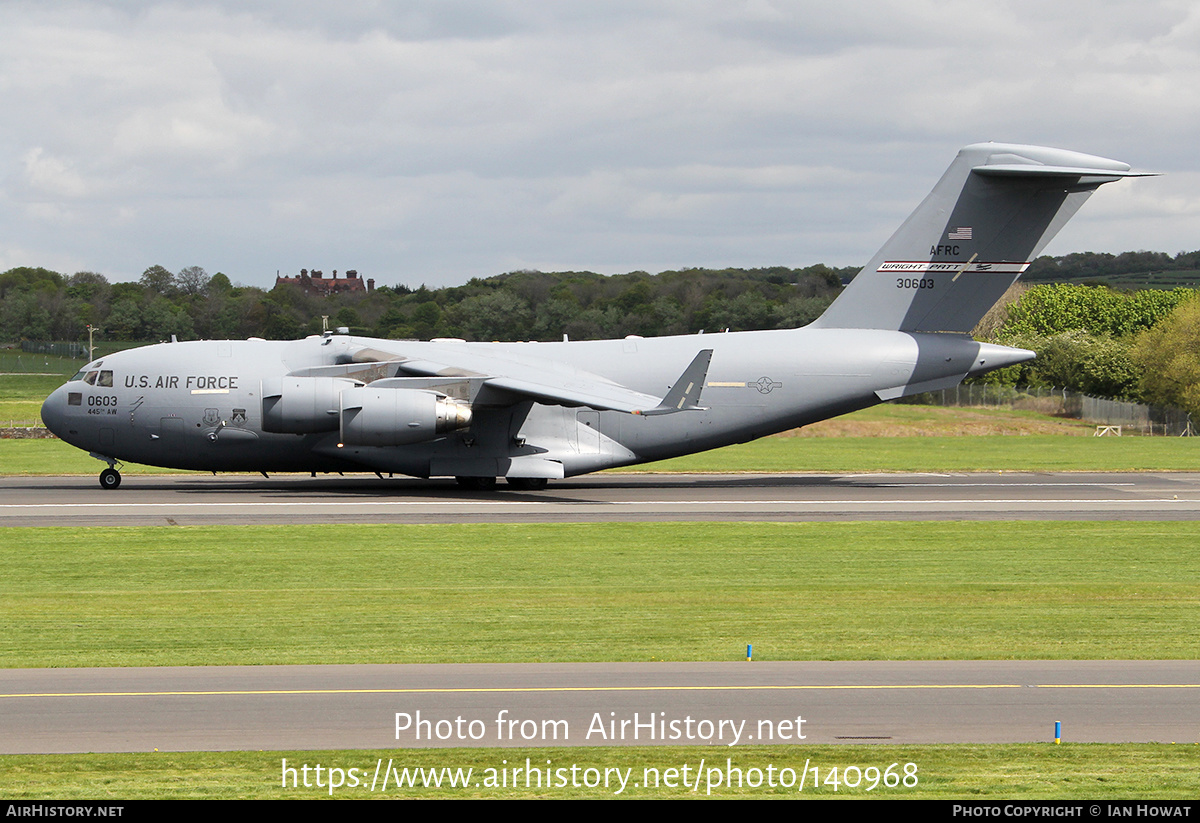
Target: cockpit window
105,379
91,378
91,369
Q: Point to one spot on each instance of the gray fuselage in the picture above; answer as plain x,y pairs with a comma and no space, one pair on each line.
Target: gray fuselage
199,405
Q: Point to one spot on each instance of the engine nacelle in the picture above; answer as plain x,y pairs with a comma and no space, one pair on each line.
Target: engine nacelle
303,405
397,417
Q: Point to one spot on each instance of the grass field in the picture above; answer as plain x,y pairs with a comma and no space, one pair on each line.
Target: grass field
15,361
26,379
21,396
54,457
599,592
1027,772
845,455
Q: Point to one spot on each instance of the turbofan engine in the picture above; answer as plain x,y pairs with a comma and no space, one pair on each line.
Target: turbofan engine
303,405
397,417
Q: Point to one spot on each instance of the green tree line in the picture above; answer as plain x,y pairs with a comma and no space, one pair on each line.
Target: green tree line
1142,345
1098,267
40,304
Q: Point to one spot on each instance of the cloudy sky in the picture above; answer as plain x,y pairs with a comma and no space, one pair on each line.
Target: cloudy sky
438,140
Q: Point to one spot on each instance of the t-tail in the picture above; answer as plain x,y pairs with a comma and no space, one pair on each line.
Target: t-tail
993,211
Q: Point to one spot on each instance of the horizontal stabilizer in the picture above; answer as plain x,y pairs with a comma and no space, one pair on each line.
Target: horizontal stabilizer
1028,170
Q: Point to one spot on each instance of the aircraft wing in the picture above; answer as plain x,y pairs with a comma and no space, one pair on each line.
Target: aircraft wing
597,395
553,383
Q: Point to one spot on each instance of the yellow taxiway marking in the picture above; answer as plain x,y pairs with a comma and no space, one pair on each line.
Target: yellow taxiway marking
537,689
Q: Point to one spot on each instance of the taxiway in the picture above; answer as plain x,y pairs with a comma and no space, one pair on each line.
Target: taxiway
149,500
595,704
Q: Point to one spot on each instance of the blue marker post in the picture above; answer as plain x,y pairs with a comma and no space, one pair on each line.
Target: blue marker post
1057,732
749,652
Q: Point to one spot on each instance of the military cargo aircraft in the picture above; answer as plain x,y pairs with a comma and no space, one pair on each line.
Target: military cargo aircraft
536,411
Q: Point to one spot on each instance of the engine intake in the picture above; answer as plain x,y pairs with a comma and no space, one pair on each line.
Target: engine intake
303,405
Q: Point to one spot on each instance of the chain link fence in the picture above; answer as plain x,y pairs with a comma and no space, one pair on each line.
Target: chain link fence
1103,411
75,350
41,357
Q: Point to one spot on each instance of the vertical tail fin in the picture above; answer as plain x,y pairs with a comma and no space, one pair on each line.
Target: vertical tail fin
985,221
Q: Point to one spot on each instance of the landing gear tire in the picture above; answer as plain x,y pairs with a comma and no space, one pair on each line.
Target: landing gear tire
477,484
110,479
527,483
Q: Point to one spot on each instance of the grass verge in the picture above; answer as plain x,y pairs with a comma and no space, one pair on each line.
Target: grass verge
54,457
599,592
21,396
1026,771
798,455
1034,453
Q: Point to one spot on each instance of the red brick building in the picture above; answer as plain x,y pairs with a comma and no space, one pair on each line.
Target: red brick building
315,282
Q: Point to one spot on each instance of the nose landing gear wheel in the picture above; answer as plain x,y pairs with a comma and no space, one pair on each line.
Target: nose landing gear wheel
110,479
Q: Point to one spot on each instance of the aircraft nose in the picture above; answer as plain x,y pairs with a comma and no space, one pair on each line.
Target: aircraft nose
54,411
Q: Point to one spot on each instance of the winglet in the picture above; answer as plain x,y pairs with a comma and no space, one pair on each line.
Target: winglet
685,394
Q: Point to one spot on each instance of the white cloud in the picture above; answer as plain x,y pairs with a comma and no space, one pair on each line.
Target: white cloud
51,176
446,139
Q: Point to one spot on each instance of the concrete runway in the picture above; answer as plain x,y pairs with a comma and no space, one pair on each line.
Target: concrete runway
355,707
149,500
302,707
